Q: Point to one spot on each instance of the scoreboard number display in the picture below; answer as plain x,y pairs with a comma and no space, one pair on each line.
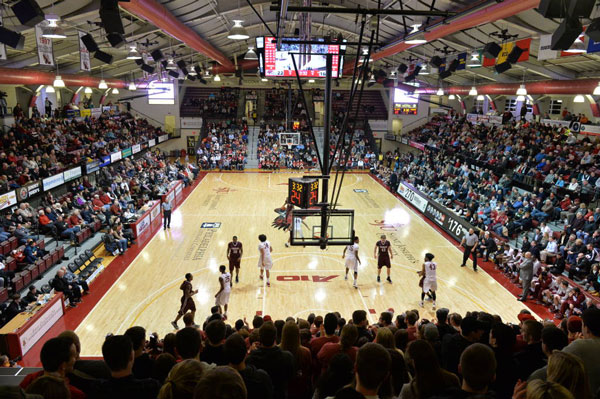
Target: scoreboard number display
303,193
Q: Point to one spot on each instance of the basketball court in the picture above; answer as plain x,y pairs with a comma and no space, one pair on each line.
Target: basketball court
303,280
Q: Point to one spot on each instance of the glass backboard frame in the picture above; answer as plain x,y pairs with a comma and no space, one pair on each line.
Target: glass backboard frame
340,230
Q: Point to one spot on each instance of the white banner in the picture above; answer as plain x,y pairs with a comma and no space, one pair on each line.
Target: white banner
151,143
2,45
191,123
155,212
589,129
545,53
33,334
573,126
44,47
136,148
8,199
115,156
72,174
163,138
142,225
84,54
53,181
411,196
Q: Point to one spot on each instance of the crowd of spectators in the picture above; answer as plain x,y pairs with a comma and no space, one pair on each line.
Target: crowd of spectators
402,356
34,148
478,172
225,147
222,104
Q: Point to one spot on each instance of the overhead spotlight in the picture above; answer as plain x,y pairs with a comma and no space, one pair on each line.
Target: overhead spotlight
217,78
171,65
473,91
371,79
475,60
579,99
238,32
58,82
451,97
193,71
115,91
50,89
597,90
251,54
133,53
102,85
11,38
424,70
440,92
52,30
88,90
417,36
521,91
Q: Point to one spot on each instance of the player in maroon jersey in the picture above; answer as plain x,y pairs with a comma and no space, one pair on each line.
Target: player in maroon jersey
187,302
235,251
384,255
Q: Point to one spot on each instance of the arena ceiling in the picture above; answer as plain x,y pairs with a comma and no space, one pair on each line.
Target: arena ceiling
212,19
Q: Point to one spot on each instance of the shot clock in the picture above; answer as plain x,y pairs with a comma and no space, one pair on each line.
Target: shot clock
303,193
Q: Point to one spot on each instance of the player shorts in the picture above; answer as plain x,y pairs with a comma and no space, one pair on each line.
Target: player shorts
268,265
222,299
429,285
187,304
383,261
352,264
234,263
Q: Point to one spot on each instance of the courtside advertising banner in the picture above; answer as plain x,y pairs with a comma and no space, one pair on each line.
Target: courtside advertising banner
8,199
412,196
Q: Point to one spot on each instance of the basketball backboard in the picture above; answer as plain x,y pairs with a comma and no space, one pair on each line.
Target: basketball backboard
306,227
289,139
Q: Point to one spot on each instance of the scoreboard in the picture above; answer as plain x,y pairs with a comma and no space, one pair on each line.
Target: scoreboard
303,193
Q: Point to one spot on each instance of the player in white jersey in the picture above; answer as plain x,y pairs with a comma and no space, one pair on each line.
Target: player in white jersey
264,257
428,278
352,260
296,229
222,297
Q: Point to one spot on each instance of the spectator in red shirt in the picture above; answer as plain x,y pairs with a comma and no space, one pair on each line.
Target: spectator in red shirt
46,224
98,204
58,356
327,334
75,220
411,320
115,209
348,338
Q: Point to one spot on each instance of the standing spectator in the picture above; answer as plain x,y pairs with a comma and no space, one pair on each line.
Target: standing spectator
257,381
532,356
453,346
588,348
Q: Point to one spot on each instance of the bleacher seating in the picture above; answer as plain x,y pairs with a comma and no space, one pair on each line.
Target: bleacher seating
372,105
209,102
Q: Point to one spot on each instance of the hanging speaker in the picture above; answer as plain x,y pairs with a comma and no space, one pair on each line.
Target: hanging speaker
28,12
111,17
593,30
580,8
502,67
174,74
453,65
116,39
435,61
566,33
89,43
551,9
445,74
157,55
181,64
12,39
410,77
104,57
513,56
417,70
491,50
190,77
139,62
202,80
147,68
402,68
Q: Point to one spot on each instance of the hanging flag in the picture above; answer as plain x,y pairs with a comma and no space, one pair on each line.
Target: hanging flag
2,45
545,52
568,54
593,47
506,49
84,54
442,66
44,47
462,61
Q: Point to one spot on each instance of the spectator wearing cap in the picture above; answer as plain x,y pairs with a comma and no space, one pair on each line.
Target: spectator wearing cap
532,356
588,348
574,327
453,346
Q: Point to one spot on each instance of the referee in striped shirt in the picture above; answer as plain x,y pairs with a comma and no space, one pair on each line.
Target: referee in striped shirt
166,206
469,242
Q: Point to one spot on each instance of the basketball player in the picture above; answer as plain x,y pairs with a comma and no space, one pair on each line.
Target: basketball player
187,302
222,297
352,260
235,251
264,259
383,253
297,223
428,272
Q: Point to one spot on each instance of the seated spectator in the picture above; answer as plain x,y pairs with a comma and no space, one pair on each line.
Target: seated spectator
182,380
70,291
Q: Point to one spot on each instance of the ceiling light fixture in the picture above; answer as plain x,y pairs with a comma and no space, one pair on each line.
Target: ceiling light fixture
102,85
58,82
193,71
597,90
418,37
50,89
132,87
475,60
480,97
473,91
521,91
264,80
424,70
451,97
440,92
520,98
88,90
115,91
579,99
217,78
251,54
133,53
52,30
313,81
238,32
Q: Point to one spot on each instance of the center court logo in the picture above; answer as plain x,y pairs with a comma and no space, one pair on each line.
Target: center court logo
223,190
387,226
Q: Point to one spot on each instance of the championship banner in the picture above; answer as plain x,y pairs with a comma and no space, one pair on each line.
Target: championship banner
506,49
44,47
145,59
462,61
2,45
442,66
84,54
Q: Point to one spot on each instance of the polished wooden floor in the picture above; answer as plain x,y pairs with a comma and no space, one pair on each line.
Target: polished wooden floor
303,280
